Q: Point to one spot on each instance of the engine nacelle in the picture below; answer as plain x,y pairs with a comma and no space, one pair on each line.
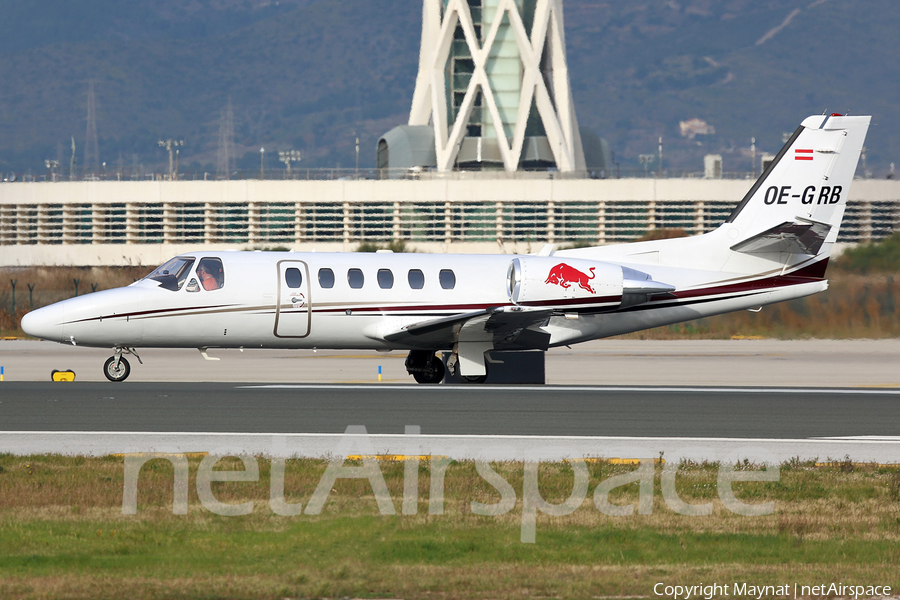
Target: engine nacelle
551,281
577,283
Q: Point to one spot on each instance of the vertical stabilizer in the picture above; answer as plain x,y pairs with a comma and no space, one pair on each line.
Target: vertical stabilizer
794,211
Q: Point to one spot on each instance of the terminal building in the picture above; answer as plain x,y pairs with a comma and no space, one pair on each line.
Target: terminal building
492,159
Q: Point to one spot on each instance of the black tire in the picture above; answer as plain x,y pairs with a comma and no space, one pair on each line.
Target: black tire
110,371
476,379
435,375
468,379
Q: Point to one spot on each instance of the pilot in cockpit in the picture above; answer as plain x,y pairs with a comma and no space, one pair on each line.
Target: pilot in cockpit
210,273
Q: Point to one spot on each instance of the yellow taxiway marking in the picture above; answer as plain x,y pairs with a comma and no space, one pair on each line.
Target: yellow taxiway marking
625,461
163,454
393,457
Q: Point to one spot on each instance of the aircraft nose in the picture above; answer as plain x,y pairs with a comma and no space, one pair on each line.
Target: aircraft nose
45,323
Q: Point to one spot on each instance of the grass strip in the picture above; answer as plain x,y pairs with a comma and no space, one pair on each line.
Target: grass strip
63,534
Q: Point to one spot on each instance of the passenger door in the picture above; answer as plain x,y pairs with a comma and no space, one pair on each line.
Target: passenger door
292,310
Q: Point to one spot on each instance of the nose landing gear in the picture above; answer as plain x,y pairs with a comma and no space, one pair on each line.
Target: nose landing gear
116,368
425,366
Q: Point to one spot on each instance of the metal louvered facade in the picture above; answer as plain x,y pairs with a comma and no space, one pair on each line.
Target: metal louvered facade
493,83
141,222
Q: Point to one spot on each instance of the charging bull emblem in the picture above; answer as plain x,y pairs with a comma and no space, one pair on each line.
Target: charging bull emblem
564,275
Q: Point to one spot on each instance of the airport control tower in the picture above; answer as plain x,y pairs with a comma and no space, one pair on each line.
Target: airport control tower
492,91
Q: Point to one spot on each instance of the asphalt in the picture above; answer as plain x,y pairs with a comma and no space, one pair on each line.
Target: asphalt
770,413
781,363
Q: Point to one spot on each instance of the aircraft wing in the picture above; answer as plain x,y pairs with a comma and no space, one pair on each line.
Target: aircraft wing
507,327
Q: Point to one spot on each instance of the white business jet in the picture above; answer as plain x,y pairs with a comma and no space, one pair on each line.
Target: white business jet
774,247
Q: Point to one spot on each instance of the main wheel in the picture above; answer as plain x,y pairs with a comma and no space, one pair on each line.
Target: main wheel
433,375
454,372
113,374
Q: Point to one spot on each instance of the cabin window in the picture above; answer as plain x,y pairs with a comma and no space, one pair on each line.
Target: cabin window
416,279
293,277
326,278
173,274
385,279
355,278
447,279
210,273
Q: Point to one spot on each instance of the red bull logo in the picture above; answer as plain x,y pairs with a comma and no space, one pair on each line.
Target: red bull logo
564,275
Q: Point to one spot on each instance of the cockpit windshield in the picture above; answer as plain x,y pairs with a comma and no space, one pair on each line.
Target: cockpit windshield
172,275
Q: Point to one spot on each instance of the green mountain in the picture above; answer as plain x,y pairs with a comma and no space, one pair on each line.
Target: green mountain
314,75
750,68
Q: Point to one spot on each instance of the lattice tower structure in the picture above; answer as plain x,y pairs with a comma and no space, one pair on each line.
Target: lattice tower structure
225,154
91,144
493,78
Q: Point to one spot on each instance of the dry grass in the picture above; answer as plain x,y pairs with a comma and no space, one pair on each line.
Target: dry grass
52,284
855,306
350,579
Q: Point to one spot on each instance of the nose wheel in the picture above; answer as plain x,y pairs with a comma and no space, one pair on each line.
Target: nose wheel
116,372
116,367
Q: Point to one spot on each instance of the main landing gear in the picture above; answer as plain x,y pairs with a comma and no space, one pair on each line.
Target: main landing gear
116,368
425,366
453,368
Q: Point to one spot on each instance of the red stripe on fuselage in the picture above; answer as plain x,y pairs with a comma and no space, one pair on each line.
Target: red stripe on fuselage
143,313
808,274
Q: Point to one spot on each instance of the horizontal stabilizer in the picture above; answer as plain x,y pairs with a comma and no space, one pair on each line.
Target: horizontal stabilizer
803,236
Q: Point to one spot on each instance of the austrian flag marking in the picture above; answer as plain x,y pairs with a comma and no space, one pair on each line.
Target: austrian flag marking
803,154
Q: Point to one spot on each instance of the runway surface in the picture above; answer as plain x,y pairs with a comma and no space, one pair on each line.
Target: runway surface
803,363
439,410
499,422
688,399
